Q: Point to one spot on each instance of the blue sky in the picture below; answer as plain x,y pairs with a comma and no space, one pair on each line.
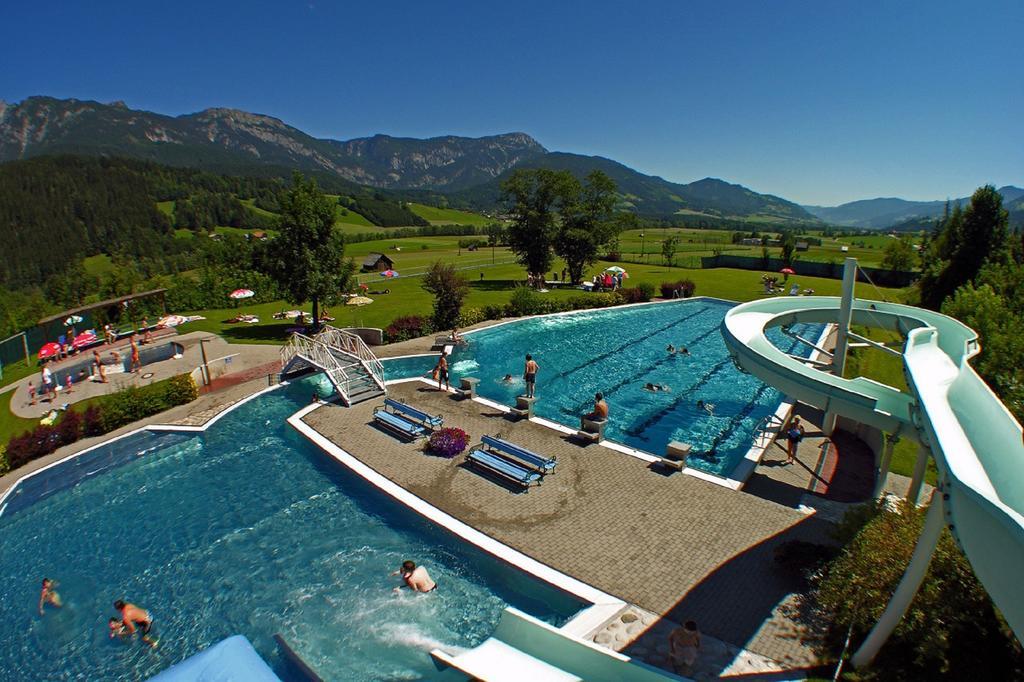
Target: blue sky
818,102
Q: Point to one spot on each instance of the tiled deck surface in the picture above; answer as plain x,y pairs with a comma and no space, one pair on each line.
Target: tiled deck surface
672,544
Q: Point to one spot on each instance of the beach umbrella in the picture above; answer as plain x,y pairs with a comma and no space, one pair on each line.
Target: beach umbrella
616,269
84,339
788,271
74,319
359,300
241,293
49,350
389,274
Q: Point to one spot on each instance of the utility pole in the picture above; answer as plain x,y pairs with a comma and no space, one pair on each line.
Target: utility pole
641,246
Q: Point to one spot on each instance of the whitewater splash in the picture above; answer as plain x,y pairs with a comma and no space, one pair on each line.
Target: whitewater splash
463,366
412,636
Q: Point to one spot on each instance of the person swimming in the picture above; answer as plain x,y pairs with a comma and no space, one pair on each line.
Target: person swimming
654,388
670,348
416,577
136,618
707,407
117,629
49,595
507,379
683,350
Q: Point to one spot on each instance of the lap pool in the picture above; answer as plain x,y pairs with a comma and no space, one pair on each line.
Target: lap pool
617,351
245,528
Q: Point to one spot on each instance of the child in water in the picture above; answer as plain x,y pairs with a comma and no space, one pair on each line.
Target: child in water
117,629
49,595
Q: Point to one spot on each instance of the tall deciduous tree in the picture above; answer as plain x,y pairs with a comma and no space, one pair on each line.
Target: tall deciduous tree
668,250
587,223
534,197
899,255
307,258
449,289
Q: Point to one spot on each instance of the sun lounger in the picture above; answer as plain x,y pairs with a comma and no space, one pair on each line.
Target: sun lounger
399,424
503,467
543,464
411,413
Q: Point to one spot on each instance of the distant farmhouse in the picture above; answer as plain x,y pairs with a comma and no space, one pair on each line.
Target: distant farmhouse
377,262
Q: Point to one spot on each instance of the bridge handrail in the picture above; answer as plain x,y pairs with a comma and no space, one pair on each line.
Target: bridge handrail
316,352
354,344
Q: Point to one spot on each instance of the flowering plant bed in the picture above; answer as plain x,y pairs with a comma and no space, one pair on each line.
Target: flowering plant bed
448,442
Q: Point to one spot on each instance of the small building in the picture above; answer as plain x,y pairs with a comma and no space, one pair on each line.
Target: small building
802,246
377,262
751,241
258,234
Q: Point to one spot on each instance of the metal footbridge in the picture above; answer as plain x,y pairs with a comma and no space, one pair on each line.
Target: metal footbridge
344,358
975,441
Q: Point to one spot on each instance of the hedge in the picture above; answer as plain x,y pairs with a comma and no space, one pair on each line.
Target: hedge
104,415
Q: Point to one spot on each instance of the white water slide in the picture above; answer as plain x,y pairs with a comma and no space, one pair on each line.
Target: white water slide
975,441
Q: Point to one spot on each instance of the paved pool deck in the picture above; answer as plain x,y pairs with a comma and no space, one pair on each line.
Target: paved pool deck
674,545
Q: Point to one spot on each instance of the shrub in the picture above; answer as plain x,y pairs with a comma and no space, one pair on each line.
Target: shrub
646,289
92,421
448,442
493,312
407,327
69,429
4,464
470,316
181,389
449,289
613,257
636,294
524,301
951,630
685,287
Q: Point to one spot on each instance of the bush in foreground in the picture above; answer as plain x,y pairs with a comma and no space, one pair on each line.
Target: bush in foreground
951,630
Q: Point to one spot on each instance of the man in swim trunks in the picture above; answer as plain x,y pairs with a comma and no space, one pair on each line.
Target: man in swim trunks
49,595
684,645
530,375
132,616
600,412
442,370
415,577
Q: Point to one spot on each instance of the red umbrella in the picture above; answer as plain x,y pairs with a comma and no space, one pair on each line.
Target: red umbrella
86,338
49,350
788,271
241,293
389,274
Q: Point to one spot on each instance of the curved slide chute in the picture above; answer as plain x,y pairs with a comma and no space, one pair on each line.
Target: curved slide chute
974,439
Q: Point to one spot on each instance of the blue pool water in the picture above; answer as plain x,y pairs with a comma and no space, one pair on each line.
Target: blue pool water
243,529
617,351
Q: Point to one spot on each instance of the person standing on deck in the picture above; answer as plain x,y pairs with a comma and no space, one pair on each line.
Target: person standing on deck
442,370
530,375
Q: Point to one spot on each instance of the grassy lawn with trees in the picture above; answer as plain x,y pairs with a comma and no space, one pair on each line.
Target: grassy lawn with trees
442,216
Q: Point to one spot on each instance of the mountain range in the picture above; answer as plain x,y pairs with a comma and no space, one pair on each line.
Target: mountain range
891,212
467,171
460,171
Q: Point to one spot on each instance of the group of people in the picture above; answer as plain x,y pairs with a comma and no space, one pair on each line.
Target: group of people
607,281
132,618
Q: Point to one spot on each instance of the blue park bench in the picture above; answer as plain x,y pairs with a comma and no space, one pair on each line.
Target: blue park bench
411,413
399,424
545,465
503,467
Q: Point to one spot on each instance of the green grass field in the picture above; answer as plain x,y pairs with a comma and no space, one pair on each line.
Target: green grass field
448,216
887,369
98,265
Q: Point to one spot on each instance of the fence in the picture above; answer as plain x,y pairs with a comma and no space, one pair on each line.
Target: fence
888,278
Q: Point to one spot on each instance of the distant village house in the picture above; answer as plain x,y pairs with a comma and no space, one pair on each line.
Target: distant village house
377,262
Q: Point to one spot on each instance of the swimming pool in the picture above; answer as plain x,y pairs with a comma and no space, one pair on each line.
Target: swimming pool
244,528
617,351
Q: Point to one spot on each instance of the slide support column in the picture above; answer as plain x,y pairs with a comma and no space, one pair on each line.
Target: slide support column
883,465
842,333
920,467
909,584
